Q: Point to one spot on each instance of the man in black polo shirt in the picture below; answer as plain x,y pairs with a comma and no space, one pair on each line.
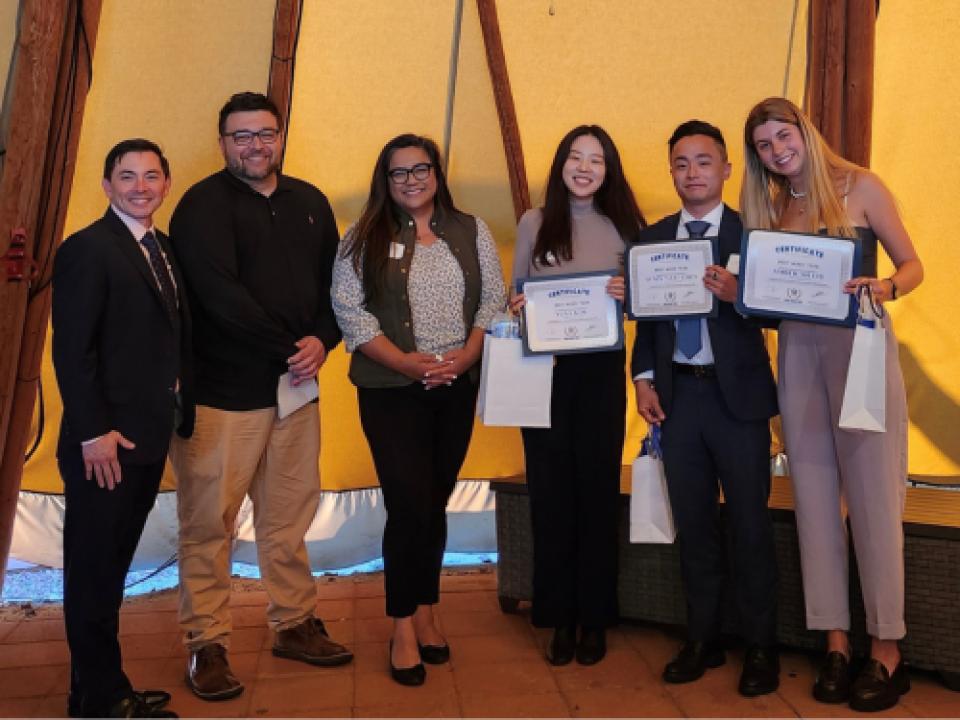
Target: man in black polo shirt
257,250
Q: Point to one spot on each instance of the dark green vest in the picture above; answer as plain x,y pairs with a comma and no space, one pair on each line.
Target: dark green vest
392,307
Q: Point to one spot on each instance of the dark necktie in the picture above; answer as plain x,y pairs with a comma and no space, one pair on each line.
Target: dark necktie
162,274
688,330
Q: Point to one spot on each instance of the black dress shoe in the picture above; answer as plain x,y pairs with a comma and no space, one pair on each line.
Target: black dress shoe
592,646
410,676
692,662
154,699
434,654
563,645
876,689
761,671
833,679
133,707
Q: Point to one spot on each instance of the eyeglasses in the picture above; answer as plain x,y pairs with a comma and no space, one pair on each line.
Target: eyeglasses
268,136
400,175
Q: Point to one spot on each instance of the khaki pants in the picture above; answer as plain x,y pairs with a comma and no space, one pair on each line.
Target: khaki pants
233,454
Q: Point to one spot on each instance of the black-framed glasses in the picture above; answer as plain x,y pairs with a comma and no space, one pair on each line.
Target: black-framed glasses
400,175
268,136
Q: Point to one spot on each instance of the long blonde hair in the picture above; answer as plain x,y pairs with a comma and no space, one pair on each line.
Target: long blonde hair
764,194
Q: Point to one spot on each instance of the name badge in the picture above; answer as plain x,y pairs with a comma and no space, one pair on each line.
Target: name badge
396,250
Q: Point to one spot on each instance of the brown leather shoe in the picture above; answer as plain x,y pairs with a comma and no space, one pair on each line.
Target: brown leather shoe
309,643
209,674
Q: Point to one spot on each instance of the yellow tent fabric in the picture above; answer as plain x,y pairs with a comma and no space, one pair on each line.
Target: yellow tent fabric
367,70
917,103
8,29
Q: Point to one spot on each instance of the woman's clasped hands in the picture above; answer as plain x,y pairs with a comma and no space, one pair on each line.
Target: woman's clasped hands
434,369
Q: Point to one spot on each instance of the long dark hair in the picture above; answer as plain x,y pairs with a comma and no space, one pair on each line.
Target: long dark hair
369,247
614,199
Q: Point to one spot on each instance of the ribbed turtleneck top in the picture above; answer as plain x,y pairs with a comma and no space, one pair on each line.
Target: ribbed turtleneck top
596,244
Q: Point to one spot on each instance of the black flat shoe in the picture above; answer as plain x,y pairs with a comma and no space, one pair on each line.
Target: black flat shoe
761,672
563,645
592,646
876,689
833,679
434,654
692,662
410,676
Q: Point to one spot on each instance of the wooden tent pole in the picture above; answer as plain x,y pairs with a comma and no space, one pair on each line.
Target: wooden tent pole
48,89
839,96
861,45
509,129
286,31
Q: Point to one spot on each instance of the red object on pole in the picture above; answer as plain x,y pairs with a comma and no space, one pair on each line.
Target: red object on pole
18,266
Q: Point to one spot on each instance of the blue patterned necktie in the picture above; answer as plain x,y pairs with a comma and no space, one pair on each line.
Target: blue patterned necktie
689,341
162,274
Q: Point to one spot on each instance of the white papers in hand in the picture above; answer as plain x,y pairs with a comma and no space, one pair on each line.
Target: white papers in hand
291,398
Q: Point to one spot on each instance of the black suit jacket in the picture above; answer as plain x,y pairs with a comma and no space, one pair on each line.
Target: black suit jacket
116,351
742,364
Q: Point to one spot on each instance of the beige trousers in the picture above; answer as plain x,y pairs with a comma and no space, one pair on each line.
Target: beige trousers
275,462
838,472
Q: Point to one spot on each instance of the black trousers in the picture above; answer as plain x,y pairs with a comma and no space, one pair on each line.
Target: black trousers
418,439
101,529
573,477
706,448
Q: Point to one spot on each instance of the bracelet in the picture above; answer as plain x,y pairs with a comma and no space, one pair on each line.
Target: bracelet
893,288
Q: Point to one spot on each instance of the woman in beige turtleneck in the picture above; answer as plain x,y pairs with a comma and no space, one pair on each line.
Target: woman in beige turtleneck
573,468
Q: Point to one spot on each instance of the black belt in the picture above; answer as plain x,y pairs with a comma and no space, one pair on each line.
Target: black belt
700,371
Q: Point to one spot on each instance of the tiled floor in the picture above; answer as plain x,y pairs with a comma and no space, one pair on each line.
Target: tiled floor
497,668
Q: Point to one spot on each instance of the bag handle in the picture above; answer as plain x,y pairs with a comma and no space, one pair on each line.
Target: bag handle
866,300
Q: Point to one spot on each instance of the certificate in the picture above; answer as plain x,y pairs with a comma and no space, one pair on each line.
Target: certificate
798,276
665,280
570,314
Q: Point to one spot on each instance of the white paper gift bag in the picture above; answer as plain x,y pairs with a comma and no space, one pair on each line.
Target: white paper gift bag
651,519
514,390
864,396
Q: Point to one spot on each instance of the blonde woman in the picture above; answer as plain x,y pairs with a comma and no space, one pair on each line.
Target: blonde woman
794,181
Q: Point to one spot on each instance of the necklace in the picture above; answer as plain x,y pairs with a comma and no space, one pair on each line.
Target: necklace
794,194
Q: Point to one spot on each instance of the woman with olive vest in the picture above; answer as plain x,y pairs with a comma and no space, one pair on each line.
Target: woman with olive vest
414,285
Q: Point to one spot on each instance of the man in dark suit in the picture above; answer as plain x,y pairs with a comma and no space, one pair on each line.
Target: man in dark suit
120,349
708,384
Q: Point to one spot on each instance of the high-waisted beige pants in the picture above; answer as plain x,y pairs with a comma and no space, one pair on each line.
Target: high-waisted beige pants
839,472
